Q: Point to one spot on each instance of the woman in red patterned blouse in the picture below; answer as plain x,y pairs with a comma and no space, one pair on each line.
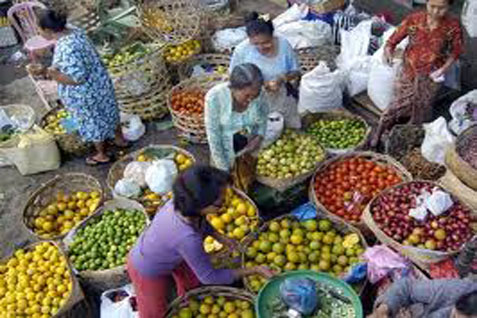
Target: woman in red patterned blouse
435,43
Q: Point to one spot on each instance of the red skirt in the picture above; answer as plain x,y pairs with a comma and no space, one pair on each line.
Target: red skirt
152,293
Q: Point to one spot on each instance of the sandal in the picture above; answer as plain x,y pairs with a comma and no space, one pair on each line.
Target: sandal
90,161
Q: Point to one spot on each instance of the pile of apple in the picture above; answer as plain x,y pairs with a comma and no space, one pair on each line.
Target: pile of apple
446,232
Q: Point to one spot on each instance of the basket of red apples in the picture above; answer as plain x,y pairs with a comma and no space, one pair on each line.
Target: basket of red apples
405,218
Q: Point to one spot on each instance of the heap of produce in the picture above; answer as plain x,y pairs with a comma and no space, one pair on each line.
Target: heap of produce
34,283
53,122
213,306
338,134
293,154
236,219
106,239
188,102
181,52
7,132
446,232
156,19
346,186
288,245
65,212
126,55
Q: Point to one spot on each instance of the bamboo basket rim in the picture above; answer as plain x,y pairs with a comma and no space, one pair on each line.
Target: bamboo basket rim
376,157
133,155
225,291
76,293
319,214
52,183
369,220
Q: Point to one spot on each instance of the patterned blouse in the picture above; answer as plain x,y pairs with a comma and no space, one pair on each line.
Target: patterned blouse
428,49
221,123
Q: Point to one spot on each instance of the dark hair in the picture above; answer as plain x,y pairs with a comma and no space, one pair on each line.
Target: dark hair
52,20
255,25
245,75
197,188
467,304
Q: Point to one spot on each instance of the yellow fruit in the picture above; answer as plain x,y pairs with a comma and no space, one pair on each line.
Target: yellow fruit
229,307
241,208
217,223
47,226
205,309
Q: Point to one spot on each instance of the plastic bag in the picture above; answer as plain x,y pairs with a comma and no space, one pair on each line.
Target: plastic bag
275,125
136,171
118,309
436,141
299,294
228,39
286,105
161,175
462,112
354,44
469,17
303,34
320,90
132,127
294,13
439,202
127,188
382,261
381,83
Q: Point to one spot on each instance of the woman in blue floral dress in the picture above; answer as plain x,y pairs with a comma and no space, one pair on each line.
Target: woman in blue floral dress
84,87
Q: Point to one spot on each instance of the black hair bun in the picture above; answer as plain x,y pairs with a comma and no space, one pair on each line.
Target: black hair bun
59,15
252,16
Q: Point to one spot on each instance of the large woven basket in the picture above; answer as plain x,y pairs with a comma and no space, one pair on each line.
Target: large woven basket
340,226
192,127
102,280
76,294
338,115
172,21
67,183
454,185
209,61
310,57
461,168
202,292
419,256
70,144
375,157
23,114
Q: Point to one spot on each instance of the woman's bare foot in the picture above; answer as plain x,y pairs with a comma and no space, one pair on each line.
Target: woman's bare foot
97,159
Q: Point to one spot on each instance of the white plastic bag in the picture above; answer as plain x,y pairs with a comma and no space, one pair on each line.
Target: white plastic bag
161,175
294,13
275,125
127,188
227,39
381,83
461,119
132,126
469,17
354,44
320,90
437,140
439,202
303,34
120,309
137,171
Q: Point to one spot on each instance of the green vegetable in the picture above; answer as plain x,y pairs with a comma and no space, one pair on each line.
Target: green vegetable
338,134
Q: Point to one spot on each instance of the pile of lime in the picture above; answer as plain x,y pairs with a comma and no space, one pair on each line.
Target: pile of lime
338,133
106,239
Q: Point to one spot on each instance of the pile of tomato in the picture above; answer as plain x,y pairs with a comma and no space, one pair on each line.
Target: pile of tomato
346,187
189,102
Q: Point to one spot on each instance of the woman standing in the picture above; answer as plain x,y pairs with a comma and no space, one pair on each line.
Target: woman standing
173,244
84,85
235,121
278,62
435,43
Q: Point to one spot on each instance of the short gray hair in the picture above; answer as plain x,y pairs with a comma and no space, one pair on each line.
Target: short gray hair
245,75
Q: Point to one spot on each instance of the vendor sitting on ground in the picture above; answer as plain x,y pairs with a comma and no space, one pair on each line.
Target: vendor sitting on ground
445,298
235,121
173,244
278,62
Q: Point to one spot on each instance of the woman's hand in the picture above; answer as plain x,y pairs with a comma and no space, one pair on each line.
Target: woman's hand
61,78
36,69
253,144
273,86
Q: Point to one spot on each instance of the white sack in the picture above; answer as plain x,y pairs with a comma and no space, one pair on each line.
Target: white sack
132,127
294,13
275,125
461,120
381,83
161,175
121,309
227,39
303,34
127,188
469,17
436,141
136,171
354,44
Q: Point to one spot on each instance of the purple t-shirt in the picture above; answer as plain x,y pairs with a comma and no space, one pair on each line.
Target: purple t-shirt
168,242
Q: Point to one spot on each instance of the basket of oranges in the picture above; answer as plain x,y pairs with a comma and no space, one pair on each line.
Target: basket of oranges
186,105
61,204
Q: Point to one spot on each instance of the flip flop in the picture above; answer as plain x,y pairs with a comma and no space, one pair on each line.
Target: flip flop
90,161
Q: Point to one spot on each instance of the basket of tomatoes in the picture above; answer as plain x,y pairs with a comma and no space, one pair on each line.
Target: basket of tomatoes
186,105
344,185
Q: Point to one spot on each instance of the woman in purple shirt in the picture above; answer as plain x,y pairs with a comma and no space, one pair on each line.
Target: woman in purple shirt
172,245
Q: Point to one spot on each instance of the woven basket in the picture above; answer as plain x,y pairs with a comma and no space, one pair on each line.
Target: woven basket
328,6
419,256
192,127
102,280
89,20
465,194
375,157
340,226
173,21
70,144
206,61
338,115
202,292
461,168
76,294
67,183
24,114
310,57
